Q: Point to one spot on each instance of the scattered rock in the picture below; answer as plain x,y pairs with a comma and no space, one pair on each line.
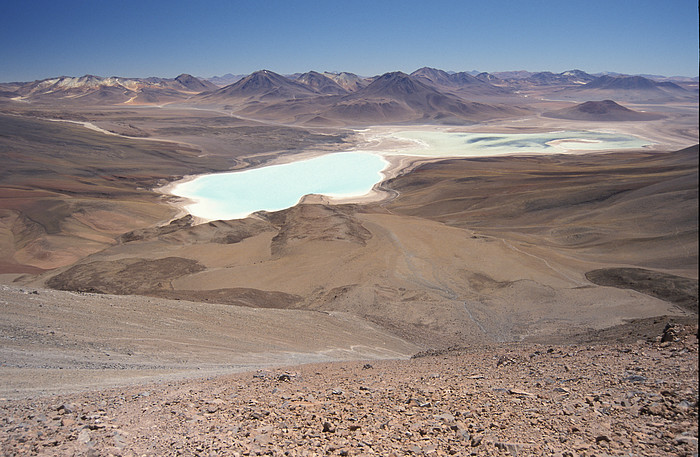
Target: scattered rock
670,333
65,409
67,422
520,393
511,448
119,437
687,439
635,378
84,437
328,427
421,406
446,418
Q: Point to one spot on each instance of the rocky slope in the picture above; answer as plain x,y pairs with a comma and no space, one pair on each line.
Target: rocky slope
579,400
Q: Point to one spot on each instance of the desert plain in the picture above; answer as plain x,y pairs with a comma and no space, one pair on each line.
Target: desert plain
527,304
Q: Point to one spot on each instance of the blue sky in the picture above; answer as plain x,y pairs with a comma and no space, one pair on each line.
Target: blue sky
41,39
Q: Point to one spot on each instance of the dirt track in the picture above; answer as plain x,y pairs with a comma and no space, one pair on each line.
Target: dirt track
55,341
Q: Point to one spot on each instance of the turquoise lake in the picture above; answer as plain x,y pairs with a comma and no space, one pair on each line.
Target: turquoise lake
235,195
454,144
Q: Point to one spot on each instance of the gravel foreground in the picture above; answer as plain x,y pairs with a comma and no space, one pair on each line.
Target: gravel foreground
612,399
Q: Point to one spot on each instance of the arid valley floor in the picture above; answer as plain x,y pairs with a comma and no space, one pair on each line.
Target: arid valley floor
530,304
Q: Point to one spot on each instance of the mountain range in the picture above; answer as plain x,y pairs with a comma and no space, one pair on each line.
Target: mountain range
90,89
313,98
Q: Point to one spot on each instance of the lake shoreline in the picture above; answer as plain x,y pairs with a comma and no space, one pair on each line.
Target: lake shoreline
403,154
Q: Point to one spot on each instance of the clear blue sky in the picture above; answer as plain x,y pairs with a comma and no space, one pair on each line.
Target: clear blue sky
41,39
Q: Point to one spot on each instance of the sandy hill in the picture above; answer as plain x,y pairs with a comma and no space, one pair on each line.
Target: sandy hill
605,110
470,250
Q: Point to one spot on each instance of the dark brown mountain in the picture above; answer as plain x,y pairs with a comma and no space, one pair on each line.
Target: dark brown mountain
263,85
190,83
397,84
432,76
462,84
623,83
389,98
398,97
321,83
606,110
630,89
463,78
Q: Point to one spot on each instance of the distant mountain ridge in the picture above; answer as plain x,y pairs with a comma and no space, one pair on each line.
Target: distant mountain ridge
260,85
224,80
321,83
315,98
461,82
348,81
397,96
97,89
520,79
629,82
630,88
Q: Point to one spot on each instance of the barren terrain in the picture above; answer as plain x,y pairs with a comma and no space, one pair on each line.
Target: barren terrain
594,399
552,299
